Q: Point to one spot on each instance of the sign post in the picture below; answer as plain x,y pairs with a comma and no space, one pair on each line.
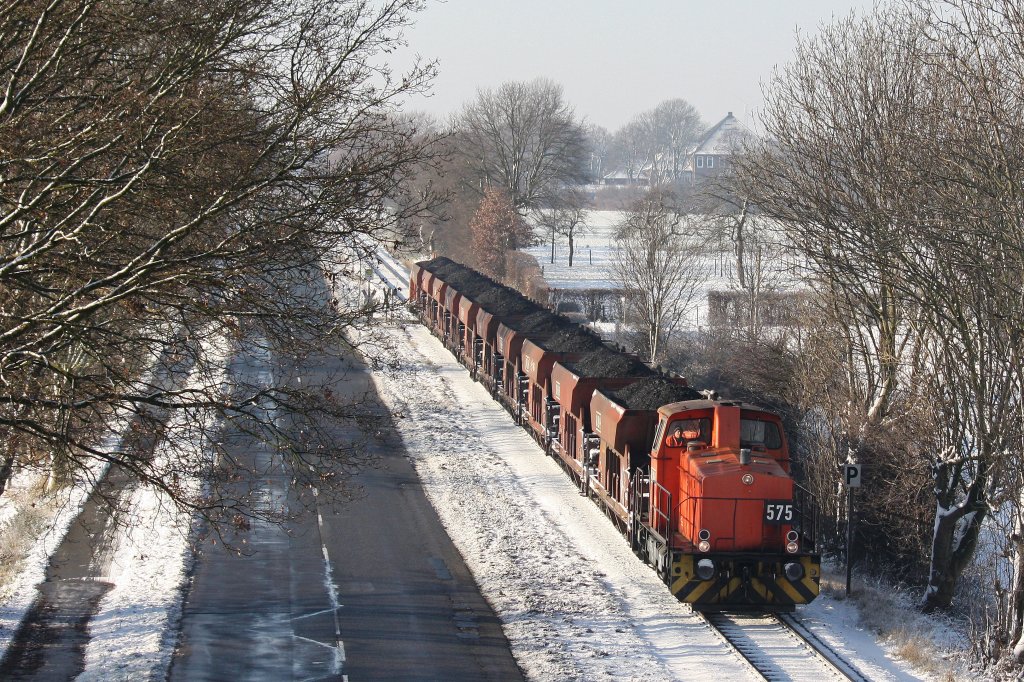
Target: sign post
851,479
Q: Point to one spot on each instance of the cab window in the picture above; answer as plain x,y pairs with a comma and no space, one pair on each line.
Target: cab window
696,429
758,432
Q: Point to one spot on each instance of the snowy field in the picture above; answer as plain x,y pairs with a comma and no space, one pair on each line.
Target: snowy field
594,263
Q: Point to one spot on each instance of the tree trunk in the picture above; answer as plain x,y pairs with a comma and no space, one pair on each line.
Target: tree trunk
1015,617
953,543
6,467
739,246
572,248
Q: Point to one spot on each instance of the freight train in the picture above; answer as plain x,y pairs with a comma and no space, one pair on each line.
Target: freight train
701,487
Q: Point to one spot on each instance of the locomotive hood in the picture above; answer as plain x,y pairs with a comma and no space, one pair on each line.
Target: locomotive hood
733,499
722,472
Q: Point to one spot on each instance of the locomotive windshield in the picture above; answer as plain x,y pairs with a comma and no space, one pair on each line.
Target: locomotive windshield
692,429
757,432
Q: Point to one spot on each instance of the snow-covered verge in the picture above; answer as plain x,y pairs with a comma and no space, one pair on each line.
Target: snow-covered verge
131,635
878,613
33,525
148,567
51,516
574,601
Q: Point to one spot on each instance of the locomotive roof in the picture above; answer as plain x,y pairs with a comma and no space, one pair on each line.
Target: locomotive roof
605,362
706,404
650,394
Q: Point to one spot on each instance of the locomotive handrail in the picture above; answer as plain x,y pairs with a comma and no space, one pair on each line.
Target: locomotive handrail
660,521
807,509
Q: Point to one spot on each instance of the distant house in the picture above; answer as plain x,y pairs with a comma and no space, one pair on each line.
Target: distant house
711,153
705,158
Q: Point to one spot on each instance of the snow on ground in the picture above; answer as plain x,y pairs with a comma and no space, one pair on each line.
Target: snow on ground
574,601
20,593
594,263
56,515
129,633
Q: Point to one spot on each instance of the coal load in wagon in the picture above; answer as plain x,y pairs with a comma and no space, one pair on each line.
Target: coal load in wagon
650,394
543,322
571,340
461,277
605,362
434,264
504,302
466,281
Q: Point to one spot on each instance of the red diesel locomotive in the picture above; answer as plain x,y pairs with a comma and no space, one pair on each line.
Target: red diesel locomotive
701,487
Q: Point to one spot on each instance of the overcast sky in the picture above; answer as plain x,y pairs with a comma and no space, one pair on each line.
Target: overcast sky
617,58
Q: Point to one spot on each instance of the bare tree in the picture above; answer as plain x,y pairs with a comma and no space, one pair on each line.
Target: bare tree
524,139
632,149
660,267
599,143
829,178
891,159
171,173
658,141
675,126
567,217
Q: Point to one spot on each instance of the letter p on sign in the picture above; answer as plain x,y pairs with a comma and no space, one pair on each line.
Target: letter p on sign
851,475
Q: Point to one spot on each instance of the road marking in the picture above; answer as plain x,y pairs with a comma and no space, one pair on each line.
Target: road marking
311,615
332,594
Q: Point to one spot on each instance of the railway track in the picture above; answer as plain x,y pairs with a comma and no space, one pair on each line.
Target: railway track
391,272
387,269
779,647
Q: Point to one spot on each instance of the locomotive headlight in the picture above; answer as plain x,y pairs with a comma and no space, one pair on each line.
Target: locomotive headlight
792,547
748,479
794,571
705,569
704,546
792,536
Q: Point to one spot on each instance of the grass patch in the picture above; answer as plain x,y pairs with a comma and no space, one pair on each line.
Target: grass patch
893,615
32,516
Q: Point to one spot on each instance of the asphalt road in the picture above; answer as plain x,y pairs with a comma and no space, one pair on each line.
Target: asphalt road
370,590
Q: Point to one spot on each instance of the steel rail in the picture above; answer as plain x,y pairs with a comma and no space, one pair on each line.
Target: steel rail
766,664
821,648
